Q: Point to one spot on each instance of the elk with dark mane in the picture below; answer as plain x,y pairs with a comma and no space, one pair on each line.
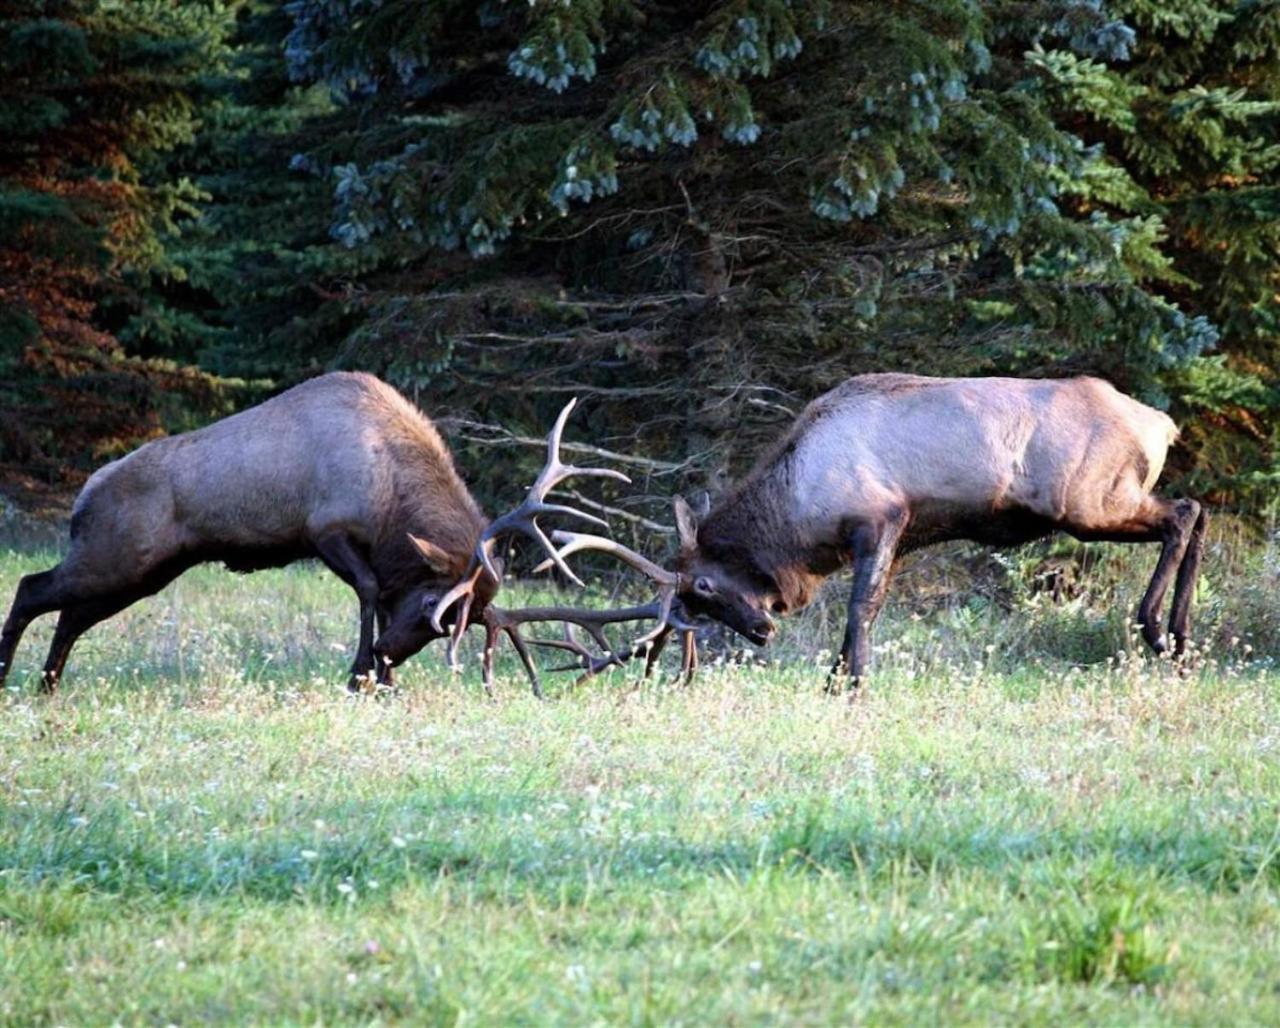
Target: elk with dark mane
888,463
342,468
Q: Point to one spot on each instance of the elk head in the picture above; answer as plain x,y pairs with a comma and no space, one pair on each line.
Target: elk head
724,584
468,585
408,626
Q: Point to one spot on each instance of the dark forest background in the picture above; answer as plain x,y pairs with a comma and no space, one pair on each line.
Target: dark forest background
696,216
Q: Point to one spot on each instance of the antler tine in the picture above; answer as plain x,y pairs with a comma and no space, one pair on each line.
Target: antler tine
523,519
689,655
688,651
574,542
555,470
508,621
663,608
651,643
592,664
455,635
656,647
497,620
465,587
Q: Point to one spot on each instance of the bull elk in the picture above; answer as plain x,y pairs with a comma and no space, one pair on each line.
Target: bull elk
342,468
889,463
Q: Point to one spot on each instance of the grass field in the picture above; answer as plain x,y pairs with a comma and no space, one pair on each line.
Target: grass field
203,827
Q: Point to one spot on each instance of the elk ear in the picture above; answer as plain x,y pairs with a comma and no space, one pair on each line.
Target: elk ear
686,524
438,560
701,505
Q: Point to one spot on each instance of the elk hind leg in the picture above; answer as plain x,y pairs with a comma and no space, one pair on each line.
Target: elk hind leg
37,594
76,618
1168,522
1185,586
82,613
873,544
1175,525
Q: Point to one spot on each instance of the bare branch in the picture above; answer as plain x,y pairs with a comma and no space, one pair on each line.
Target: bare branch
617,512
502,436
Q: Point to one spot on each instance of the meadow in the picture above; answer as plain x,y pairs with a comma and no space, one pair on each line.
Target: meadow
1022,820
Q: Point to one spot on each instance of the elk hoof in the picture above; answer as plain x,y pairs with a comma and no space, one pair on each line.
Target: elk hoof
362,684
1155,638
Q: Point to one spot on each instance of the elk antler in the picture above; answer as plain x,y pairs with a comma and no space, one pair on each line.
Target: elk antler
523,520
665,610
652,645
498,620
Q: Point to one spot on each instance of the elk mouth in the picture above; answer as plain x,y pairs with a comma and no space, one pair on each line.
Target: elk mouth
760,636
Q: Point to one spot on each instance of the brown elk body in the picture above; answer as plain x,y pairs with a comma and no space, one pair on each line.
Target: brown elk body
341,467
889,463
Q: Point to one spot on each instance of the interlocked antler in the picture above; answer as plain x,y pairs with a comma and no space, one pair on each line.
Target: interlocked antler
665,610
523,520
499,621
651,645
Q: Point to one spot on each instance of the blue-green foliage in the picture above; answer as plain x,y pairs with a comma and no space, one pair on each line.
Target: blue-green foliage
560,44
879,179
1185,132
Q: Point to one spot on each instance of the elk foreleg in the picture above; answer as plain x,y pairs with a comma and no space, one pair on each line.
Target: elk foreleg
873,544
341,556
384,669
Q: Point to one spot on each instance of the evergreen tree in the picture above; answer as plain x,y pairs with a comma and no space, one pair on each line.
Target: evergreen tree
705,212
92,95
1191,130
259,295
699,214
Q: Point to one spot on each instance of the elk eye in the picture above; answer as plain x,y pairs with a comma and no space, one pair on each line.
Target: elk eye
779,607
704,586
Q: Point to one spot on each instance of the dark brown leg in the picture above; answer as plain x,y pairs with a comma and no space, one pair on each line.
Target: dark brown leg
1170,523
76,619
1175,534
342,558
874,544
37,594
384,669
79,615
1185,586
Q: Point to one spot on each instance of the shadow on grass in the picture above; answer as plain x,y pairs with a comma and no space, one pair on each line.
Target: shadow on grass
494,849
